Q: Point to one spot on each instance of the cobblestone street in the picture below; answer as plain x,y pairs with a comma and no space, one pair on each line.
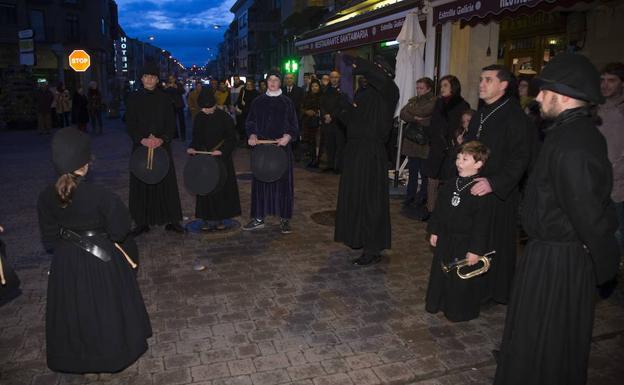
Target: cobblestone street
269,308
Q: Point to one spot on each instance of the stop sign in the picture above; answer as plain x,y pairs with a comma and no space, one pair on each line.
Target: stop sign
79,60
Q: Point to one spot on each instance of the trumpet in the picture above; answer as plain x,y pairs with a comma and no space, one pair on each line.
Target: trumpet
486,259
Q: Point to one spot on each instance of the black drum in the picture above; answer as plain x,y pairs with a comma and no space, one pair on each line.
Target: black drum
149,170
268,162
204,174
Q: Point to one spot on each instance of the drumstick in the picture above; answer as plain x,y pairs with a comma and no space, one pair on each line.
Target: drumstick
150,153
203,152
267,141
130,261
2,280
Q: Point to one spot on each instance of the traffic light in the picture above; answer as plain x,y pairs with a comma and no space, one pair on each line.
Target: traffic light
291,66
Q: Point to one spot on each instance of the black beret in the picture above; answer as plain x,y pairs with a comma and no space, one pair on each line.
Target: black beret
573,75
150,68
71,149
206,98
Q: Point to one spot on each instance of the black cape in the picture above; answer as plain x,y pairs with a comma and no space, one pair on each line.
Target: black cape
460,229
151,112
208,131
363,208
96,320
510,136
570,219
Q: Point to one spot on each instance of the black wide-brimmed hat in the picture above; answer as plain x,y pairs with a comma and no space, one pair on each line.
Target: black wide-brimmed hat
573,75
204,174
268,162
71,149
150,169
150,68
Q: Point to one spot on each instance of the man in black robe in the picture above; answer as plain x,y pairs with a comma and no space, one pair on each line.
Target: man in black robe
151,123
363,208
502,126
570,219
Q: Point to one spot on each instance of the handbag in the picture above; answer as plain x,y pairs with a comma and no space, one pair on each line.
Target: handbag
416,133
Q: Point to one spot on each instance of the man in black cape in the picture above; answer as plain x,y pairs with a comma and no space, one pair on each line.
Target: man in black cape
570,219
502,126
151,123
213,130
363,209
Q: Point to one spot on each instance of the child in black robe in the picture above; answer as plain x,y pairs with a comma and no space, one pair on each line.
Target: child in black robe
214,128
459,229
96,320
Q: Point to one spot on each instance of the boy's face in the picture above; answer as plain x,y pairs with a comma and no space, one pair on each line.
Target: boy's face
466,165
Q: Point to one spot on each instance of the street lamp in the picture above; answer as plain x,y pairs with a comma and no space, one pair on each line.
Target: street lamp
151,38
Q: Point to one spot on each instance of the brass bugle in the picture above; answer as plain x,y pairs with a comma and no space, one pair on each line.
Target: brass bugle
485,259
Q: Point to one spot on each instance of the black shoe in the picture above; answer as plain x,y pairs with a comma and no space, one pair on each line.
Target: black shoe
367,260
140,230
285,226
176,228
496,354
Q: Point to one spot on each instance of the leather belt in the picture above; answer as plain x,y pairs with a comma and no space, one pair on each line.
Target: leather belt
81,240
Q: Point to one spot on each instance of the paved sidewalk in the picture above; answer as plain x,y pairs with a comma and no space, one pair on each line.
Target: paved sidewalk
269,308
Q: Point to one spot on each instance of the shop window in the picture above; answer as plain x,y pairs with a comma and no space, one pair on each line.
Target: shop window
8,14
72,28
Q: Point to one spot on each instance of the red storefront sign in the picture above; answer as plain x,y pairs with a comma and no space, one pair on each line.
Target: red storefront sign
382,29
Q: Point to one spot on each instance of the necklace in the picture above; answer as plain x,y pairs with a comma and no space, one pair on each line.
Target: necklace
456,200
482,119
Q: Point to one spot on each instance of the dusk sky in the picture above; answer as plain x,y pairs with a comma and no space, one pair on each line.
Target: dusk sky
183,27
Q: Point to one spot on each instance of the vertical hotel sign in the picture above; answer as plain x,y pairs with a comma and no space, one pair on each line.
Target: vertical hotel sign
121,58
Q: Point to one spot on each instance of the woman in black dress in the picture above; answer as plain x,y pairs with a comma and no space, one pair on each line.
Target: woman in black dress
213,130
96,320
311,128
445,121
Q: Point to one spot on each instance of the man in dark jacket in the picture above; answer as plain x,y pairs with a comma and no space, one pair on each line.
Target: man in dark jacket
332,131
296,94
507,131
151,123
570,219
175,91
44,98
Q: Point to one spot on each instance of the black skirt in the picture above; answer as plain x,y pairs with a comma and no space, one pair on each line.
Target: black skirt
96,320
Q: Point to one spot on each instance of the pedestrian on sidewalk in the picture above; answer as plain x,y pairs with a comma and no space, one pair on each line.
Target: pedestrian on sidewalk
175,90
44,98
80,110
363,207
570,219
272,117
96,320
94,105
151,123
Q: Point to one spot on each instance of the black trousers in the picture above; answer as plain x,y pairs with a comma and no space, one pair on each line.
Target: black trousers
179,111
334,140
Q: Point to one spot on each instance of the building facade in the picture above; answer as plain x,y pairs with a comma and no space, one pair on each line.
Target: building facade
56,28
